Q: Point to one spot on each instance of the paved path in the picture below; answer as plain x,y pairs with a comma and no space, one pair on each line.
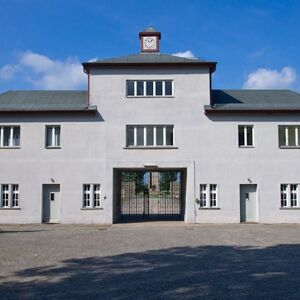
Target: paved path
158,260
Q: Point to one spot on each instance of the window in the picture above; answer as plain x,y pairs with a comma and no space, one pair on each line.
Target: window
150,136
9,196
289,195
149,88
289,136
208,196
91,196
9,136
52,136
245,135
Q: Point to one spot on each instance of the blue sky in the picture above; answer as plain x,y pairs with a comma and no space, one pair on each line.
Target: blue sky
255,43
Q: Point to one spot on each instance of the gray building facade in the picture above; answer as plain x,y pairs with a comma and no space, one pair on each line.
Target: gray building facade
150,139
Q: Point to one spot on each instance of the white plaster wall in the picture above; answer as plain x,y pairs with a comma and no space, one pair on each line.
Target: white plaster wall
93,145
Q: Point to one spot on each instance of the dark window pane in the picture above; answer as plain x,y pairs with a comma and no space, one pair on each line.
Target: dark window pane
129,136
169,135
159,136
57,136
149,136
241,136
292,136
249,136
149,88
130,88
16,136
49,136
158,88
140,136
140,88
281,133
6,136
168,88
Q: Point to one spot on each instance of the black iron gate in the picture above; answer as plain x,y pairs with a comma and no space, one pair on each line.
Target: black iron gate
151,193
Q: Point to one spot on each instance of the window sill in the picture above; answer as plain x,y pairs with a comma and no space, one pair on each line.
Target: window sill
56,147
161,96
92,208
12,147
289,208
289,147
246,147
150,147
209,208
10,208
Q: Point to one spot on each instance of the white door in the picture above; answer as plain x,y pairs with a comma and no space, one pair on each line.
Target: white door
248,202
51,203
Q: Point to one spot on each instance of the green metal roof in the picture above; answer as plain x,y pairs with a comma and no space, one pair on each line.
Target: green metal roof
234,100
222,100
45,101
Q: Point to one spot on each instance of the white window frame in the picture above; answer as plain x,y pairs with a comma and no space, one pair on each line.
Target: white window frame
53,143
145,89
9,194
205,196
245,133
11,135
288,194
286,133
92,192
96,192
154,136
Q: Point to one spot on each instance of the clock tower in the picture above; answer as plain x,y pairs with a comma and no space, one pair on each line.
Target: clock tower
150,40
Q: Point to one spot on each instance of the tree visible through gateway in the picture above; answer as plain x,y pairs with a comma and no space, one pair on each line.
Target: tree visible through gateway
147,193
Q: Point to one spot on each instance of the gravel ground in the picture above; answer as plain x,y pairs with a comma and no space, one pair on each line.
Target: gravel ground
156,260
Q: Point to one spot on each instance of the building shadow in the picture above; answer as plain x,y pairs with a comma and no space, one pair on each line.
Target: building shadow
206,272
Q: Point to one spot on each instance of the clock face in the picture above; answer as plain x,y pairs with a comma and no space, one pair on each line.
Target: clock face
149,43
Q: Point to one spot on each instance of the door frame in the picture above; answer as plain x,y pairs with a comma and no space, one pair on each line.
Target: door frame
59,204
256,203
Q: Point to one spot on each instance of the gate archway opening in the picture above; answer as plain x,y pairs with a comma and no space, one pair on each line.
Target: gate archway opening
150,195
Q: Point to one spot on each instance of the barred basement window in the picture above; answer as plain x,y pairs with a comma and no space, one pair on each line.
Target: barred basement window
149,136
52,136
9,136
289,195
208,196
91,196
149,88
9,196
289,136
245,135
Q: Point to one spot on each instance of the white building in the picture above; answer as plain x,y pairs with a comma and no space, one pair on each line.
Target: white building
150,138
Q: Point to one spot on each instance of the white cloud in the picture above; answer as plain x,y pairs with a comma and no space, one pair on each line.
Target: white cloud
8,71
39,63
270,79
186,54
45,73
